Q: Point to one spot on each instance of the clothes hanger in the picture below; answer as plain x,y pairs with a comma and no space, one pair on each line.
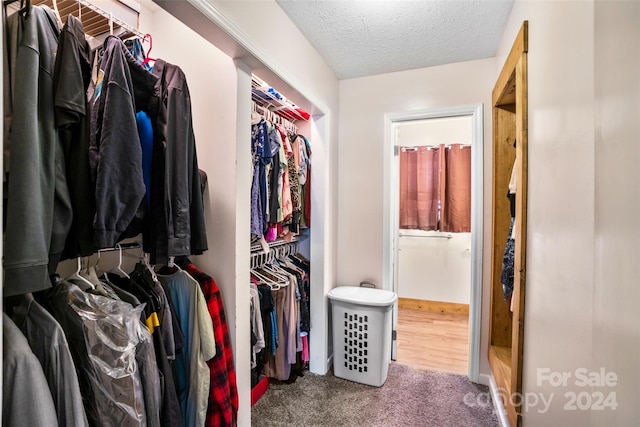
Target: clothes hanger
89,273
300,257
56,12
80,281
147,57
285,260
273,269
264,279
118,268
99,273
275,277
145,261
172,263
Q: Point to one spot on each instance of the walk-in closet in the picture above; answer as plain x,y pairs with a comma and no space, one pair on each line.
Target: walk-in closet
140,232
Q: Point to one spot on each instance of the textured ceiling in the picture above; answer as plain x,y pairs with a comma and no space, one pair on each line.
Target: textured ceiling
366,37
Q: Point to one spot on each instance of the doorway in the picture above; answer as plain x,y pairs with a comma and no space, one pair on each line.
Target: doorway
456,255
434,245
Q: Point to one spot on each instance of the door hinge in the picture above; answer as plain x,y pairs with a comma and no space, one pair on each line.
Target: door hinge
396,150
394,335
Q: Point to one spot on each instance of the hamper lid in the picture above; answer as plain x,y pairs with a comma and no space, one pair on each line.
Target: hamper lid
364,296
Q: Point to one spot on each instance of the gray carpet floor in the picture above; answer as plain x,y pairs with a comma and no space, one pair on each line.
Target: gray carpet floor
409,397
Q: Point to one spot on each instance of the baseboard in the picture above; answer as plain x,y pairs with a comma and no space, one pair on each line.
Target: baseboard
433,306
484,379
496,397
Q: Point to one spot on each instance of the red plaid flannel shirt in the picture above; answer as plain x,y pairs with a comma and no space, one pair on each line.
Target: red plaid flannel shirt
223,394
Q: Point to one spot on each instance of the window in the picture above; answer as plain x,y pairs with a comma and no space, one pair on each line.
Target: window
435,188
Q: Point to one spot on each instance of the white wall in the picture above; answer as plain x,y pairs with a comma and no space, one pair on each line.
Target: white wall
450,130
363,104
616,330
434,268
582,270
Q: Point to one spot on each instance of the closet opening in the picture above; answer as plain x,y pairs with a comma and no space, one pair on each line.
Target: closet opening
280,223
435,235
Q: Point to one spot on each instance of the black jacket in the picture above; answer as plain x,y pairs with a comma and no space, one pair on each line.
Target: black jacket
115,155
71,78
176,199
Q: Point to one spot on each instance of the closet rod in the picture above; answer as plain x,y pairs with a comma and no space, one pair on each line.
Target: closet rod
123,246
437,236
434,147
273,117
280,242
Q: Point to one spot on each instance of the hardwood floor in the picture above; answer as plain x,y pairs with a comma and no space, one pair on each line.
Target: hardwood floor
430,340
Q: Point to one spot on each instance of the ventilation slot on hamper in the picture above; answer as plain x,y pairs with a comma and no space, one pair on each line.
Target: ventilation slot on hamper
356,342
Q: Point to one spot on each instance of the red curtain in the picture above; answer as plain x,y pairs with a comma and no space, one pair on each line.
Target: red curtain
420,187
456,200
435,188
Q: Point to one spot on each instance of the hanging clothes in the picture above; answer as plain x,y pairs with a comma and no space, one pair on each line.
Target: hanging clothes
71,79
178,227
150,360
275,185
267,308
193,374
223,396
307,186
279,365
38,214
300,269
280,190
103,335
287,202
508,260
294,184
158,316
49,344
81,174
23,383
259,144
123,88
304,179
257,329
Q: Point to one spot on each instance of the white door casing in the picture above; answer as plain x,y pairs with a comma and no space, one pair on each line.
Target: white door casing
391,220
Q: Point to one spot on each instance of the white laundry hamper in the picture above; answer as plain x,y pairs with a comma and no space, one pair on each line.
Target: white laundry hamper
361,323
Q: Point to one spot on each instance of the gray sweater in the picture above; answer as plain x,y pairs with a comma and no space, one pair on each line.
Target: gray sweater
38,213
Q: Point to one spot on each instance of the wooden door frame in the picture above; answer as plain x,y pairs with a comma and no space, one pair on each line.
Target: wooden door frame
510,115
